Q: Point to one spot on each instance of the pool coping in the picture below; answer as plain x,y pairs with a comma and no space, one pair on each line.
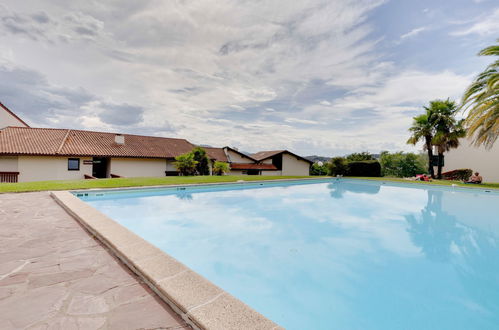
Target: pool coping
422,184
165,186
202,304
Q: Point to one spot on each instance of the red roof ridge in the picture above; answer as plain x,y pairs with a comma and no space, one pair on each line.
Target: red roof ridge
98,132
63,141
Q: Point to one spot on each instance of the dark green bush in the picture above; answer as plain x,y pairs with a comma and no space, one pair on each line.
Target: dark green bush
462,174
360,156
364,168
338,166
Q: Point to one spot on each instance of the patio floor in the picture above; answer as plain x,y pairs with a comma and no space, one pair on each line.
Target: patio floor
54,275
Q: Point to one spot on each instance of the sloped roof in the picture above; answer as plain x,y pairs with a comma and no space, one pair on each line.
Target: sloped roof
216,154
243,166
64,142
261,155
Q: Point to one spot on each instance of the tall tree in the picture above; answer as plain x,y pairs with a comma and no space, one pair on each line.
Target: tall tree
200,156
422,129
481,100
448,130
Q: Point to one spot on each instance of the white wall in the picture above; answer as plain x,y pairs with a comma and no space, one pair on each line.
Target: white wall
6,119
137,167
237,158
486,162
294,166
8,164
271,173
42,168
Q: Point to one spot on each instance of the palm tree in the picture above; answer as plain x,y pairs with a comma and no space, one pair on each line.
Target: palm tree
448,130
481,99
422,129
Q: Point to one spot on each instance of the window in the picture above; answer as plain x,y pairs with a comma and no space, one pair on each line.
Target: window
73,164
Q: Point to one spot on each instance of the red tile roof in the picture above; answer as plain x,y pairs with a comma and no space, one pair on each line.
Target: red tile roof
241,166
63,142
216,154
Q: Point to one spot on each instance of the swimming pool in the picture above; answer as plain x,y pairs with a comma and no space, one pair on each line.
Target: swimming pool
347,254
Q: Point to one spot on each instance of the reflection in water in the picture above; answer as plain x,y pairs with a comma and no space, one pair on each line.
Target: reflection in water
345,255
186,196
434,230
473,253
338,189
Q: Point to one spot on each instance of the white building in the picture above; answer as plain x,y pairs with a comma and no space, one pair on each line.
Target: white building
39,154
479,159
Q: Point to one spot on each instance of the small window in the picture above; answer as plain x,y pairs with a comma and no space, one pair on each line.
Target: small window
73,164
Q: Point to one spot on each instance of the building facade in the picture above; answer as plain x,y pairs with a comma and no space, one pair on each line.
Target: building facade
40,154
479,159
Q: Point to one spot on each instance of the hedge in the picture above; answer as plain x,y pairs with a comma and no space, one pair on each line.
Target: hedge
364,168
462,174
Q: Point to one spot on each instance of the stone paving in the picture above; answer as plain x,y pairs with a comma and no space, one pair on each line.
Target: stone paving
54,275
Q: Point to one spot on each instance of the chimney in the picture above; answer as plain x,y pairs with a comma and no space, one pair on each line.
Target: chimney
119,139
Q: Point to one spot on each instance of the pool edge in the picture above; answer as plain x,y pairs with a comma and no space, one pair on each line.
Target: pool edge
202,304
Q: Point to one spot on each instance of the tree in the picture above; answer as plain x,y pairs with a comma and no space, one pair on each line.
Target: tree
448,130
318,168
186,164
481,100
220,168
338,166
422,129
401,164
202,167
360,156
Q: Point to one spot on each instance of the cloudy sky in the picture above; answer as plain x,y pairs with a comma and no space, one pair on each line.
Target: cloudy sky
316,77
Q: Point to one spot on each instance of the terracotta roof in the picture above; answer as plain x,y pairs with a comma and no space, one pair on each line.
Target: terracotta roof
216,154
13,114
63,142
241,166
259,156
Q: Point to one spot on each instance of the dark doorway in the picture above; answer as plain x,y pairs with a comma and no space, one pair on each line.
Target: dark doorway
253,172
99,167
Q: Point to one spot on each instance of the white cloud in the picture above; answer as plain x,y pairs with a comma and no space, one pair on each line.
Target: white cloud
482,25
253,74
302,121
413,32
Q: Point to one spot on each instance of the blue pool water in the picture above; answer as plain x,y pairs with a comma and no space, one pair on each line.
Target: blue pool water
346,254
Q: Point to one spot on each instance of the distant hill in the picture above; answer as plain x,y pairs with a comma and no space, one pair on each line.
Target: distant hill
318,158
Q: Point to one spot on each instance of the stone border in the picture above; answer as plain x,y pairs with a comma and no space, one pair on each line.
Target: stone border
202,304
164,186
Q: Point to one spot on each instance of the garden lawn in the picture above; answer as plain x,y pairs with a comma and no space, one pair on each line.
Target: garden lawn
131,182
491,185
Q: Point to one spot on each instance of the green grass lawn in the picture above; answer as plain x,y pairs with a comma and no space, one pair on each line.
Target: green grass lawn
491,185
131,182
173,180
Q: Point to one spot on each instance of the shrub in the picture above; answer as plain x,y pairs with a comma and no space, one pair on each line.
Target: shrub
462,174
186,164
338,166
318,169
364,168
402,165
220,168
360,156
